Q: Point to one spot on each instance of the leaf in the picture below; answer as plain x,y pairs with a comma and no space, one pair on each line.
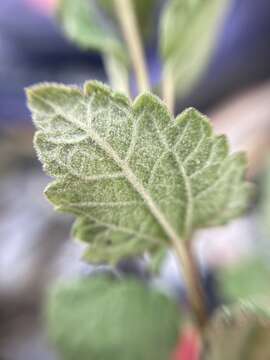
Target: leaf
238,333
136,178
247,280
84,23
102,319
188,31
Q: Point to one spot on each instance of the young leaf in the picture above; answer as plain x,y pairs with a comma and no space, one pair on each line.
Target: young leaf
188,31
103,319
136,178
238,333
83,22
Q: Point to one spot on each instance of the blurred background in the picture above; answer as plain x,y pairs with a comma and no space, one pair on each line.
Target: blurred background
35,244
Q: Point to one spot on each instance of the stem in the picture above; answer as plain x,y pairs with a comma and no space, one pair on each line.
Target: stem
193,284
168,89
128,22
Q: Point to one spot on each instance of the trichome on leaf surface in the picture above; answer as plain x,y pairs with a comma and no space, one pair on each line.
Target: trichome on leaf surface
138,181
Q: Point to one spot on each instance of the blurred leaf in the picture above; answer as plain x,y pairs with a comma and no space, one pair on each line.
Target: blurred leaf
247,280
85,24
250,278
238,333
188,32
102,319
265,201
136,178
92,25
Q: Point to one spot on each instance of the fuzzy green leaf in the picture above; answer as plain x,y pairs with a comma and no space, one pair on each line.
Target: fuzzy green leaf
102,319
188,31
136,178
238,333
84,23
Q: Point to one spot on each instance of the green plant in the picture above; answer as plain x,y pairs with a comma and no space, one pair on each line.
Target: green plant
138,181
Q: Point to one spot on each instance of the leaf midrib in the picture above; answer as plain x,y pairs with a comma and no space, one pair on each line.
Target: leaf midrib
131,177
133,180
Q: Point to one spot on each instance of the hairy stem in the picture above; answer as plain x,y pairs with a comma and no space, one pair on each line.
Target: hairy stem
128,22
168,89
194,286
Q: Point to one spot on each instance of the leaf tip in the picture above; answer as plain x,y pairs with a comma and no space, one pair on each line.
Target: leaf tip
150,101
30,93
96,87
192,112
39,92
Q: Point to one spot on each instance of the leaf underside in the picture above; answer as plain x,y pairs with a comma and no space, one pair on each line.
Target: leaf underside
240,332
134,177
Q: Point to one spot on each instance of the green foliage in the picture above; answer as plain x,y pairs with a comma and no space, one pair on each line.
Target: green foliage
188,32
250,278
92,25
84,23
238,333
246,280
138,181
104,319
135,177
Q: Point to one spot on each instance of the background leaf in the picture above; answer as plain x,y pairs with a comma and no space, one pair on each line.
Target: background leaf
188,31
85,24
103,319
136,178
247,280
238,333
